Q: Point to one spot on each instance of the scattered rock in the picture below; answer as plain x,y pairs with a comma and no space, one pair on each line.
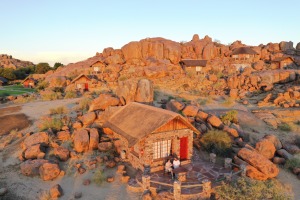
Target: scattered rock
285,154
231,131
125,179
266,148
77,125
35,151
105,146
81,141
62,153
110,163
175,106
88,118
278,160
78,195
103,102
94,139
215,121
49,171
190,110
36,138
81,170
110,179
63,135
56,191
31,167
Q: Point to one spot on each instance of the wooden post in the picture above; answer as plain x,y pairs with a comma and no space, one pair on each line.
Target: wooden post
243,168
177,190
212,157
227,163
206,188
146,182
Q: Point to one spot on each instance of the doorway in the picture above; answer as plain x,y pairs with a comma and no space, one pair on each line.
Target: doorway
183,148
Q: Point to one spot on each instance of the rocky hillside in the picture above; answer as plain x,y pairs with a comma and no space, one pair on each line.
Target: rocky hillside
7,61
159,57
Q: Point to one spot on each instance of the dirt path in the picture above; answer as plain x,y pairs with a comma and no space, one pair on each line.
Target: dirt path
291,180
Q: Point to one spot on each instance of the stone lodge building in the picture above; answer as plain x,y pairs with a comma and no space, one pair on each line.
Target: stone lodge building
148,135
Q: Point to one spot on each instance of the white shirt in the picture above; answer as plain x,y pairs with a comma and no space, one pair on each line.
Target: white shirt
176,163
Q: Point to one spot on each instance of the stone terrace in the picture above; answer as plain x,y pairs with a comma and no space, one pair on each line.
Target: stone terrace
197,172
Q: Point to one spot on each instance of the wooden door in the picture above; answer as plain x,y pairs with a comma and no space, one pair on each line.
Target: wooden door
86,86
183,148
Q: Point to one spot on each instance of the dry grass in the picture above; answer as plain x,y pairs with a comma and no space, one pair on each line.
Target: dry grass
228,102
53,123
58,111
70,95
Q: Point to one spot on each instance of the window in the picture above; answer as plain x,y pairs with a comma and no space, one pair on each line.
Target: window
161,149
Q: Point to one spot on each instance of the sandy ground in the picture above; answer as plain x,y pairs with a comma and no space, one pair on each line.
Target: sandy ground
30,188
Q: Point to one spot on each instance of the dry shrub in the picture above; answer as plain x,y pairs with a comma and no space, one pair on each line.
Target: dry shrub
99,177
50,95
58,111
70,95
25,99
249,189
216,141
50,122
230,116
84,104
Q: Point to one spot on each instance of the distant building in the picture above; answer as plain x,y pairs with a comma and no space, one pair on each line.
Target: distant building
97,67
243,53
242,57
148,135
194,64
82,82
283,62
29,82
3,81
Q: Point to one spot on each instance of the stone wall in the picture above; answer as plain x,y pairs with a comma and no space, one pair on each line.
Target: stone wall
146,144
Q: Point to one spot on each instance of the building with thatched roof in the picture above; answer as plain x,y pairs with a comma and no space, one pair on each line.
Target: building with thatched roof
194,64
243,53
82,82
148,135
29,82
97,67
283,62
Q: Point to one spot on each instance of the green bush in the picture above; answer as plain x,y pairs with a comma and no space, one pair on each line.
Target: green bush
70,95
50,122
249,189
230,116
285,127
216,141
292,163
99,177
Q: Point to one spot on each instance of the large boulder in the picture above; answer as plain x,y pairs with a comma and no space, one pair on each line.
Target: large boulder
258,161
62,153
144,92
94,139
175,106
266,148
215,121
36,138
190,110
81,141
31,167
88,118
103,102
63,135
132,50
253,173
35,151
49,171
55,191
276,142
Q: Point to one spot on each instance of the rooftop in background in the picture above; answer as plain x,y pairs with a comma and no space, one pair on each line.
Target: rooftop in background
193,62
243,50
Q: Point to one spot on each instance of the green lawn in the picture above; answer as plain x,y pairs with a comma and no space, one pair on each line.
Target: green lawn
14,90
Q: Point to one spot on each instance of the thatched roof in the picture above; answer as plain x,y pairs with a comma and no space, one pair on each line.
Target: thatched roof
135,121
29,78
100,61
279,59
193,62
243,50
78,77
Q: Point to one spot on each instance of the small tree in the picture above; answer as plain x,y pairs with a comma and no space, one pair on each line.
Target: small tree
57,65
42,68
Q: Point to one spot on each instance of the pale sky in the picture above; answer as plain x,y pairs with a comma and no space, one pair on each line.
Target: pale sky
72,30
